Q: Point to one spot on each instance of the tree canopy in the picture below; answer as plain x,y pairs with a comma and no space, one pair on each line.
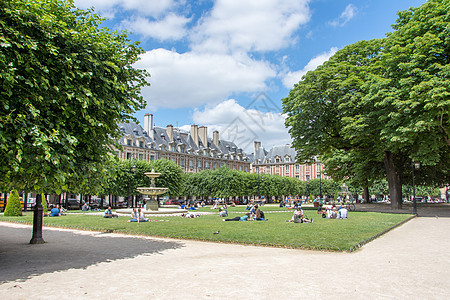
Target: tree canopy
65,82
377,105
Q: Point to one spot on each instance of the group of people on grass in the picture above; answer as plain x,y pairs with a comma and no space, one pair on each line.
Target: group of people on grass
137,215
332,212
56,211
255,214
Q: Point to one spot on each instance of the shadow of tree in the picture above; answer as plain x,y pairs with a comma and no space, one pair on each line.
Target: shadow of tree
65,250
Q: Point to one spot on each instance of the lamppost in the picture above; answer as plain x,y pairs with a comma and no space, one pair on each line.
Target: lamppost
36,238
132,169
320,184
259,182
414,165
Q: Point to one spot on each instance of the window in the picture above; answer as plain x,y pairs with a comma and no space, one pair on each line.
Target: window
296,176
240,168
152,157
277,160
141,156
207,165
141,144
287,159
214,166
129,155
307,177
172,148
277,169
199,165
297,168
182,162
129,142
287,169
191,164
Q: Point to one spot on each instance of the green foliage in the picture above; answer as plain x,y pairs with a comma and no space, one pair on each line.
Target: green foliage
225,182
122,180
66,83
13,207
377,105
44,203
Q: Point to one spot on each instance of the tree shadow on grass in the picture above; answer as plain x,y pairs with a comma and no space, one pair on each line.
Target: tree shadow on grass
65,250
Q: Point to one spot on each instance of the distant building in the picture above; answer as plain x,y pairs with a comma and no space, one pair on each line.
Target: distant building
280,160
193,151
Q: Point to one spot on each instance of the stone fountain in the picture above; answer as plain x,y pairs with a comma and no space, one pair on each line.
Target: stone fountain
151,201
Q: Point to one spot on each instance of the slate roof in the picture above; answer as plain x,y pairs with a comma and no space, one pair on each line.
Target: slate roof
225,148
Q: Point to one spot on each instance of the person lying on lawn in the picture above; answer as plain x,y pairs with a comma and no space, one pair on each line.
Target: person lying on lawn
246,217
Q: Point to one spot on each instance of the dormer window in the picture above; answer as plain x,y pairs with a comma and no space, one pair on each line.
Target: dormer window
136,131
129,142
141,144
163,136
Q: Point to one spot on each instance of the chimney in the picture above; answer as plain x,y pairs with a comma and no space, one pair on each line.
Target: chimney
148,125
169,130
216,138
194,134
203,134
257,146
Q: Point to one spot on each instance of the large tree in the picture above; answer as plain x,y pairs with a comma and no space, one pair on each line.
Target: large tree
65,84
380,101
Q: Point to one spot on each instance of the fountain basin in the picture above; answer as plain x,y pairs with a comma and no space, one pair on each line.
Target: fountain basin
152,191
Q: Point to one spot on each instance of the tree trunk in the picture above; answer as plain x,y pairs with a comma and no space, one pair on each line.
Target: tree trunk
394,180
366,194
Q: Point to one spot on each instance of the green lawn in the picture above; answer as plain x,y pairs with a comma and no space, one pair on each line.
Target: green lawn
326,234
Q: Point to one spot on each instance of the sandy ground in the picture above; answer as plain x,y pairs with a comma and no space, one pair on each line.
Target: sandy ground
410,262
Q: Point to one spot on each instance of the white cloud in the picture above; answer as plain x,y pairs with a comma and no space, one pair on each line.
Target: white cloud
171,27
348,14
144,7
292,78
250,25
243,125
192,79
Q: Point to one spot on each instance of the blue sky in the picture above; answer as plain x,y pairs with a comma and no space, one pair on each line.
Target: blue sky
227,64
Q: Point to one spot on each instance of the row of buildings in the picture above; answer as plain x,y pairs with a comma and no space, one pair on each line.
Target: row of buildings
194,151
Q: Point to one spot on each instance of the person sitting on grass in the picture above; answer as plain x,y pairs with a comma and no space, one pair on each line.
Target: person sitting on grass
134,217
342,212
223,213
54,211
62,211
259,214
85,207
253,210
298,217
109,214
246,217
298,213
141,215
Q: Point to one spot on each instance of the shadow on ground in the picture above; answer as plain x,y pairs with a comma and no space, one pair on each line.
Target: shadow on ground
441,210
65,250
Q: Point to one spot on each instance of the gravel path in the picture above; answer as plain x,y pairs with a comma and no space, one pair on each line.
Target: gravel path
409,262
